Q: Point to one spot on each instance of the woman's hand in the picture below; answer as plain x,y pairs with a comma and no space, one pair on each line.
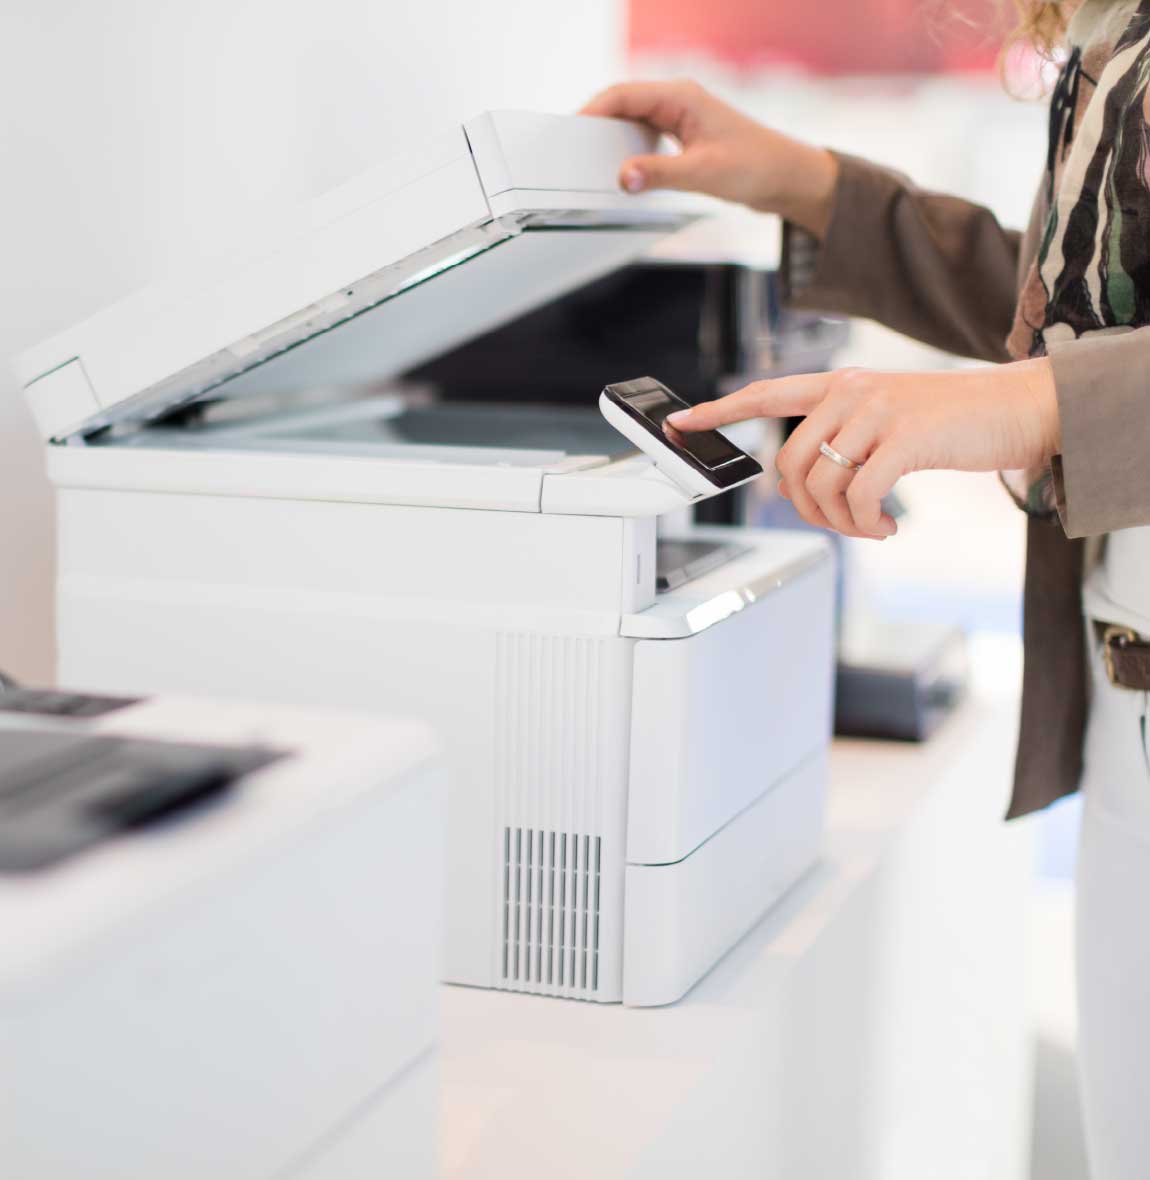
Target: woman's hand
892,424
724,153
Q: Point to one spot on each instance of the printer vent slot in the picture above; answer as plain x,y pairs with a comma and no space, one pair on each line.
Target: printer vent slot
550,911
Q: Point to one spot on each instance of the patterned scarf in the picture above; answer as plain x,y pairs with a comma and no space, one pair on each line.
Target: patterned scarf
1091,275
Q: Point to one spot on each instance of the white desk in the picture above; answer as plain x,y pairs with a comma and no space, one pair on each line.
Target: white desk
873,1027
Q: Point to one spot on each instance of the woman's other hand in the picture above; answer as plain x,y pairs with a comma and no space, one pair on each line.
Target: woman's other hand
723,153
892,424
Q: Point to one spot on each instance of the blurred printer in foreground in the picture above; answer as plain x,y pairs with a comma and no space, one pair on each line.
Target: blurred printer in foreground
221,941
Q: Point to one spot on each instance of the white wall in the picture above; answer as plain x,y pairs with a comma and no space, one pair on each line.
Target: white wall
135,132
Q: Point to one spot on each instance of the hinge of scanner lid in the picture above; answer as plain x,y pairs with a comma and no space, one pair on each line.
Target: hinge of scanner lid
507,225
63,403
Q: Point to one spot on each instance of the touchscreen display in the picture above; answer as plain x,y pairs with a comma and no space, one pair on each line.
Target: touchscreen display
708,447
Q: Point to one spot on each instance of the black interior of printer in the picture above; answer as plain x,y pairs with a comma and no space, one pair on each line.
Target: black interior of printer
679,322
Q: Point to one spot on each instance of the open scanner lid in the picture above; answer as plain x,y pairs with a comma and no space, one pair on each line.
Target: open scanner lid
435,246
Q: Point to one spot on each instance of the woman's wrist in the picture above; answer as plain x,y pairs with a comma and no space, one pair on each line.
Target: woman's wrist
802,184
1039,394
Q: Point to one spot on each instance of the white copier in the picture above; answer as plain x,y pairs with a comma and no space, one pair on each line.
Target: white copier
637,712
221,935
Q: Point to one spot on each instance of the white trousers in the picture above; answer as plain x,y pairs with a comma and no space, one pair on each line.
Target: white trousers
1113,935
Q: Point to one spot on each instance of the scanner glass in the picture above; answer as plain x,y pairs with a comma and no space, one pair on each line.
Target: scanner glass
564,432
395,427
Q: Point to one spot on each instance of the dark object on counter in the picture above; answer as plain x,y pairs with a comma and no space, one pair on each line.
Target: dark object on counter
63,791
899,680
49,702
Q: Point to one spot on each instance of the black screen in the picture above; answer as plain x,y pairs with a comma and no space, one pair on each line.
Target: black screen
708,447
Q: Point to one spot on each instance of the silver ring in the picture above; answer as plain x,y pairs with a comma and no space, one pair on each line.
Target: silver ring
826,450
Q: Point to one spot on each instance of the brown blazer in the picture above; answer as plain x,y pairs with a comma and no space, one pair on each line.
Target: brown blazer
944,271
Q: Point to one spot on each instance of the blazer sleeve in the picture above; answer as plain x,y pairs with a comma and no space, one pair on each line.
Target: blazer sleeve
931,266
1100,479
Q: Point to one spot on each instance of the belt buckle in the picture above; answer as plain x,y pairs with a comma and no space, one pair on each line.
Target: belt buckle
1115,636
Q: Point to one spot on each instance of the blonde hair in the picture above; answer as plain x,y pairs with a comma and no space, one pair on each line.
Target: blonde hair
1041,23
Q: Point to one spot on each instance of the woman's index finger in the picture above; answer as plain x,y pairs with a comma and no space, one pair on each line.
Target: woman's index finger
784,397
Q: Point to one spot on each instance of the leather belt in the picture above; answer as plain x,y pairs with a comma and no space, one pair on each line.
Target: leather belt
1125,655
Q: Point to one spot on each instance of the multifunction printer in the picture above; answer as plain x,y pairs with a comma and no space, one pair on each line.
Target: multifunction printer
636,710
221,931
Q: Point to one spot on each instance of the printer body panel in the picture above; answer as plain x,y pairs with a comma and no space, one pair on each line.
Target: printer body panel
405,562
502,629
741,704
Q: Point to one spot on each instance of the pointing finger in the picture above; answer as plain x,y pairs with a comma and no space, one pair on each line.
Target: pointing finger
785,397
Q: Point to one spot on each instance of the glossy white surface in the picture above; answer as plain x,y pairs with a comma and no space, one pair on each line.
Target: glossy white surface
873,1026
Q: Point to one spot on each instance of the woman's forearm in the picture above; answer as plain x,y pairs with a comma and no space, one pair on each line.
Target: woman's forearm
802,187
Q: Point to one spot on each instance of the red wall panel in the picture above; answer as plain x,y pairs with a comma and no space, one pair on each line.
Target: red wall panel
834,36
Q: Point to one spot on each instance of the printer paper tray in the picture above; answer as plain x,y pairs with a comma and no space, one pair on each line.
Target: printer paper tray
681,918
762,569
